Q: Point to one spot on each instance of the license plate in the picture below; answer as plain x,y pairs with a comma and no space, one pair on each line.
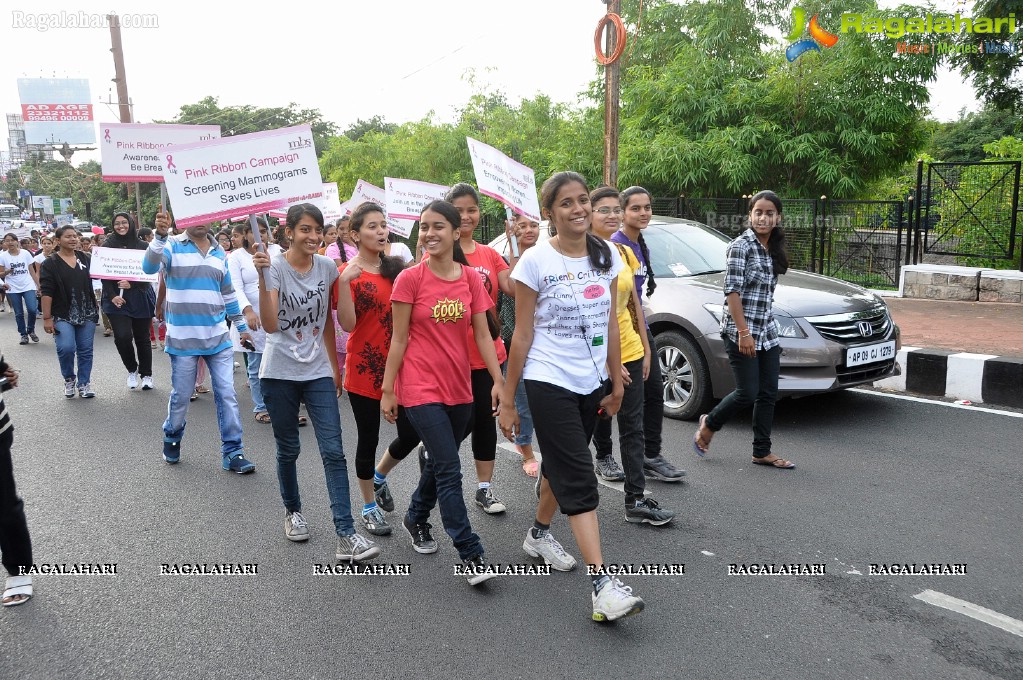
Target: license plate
869,354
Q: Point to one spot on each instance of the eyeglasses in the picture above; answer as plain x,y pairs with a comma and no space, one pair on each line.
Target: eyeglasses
609,211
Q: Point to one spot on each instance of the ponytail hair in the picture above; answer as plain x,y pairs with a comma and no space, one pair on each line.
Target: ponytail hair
776,241
451,216
599,252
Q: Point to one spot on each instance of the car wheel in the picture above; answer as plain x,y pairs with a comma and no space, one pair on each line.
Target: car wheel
684,375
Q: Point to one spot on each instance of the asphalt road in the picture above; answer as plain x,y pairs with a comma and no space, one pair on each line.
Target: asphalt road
878,481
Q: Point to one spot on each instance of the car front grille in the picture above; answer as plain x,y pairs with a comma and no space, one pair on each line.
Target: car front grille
867,373
845,328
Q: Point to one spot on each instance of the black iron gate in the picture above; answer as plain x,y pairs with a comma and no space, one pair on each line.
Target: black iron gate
862,242
967,210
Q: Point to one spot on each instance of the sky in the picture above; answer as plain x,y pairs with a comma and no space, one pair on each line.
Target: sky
399,59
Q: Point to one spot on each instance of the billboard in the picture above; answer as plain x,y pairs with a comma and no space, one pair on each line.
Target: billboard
57,110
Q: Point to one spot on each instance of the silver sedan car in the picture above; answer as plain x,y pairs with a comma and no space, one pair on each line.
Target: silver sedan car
834,334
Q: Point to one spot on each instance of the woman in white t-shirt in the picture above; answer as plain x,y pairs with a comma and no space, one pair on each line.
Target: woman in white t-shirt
566,336
46,243
21,281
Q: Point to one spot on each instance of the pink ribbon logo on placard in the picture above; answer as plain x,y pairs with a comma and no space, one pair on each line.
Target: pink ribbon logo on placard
106,135
170,164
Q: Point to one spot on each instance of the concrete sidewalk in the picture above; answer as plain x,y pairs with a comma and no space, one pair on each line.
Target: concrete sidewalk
960,350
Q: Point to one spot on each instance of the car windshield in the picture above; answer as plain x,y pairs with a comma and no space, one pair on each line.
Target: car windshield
678,249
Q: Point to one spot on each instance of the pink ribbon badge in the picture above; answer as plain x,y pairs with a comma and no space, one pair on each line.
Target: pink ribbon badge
170,164
106,136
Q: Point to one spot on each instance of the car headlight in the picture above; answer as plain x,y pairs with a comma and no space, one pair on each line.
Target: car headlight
717,311
788,328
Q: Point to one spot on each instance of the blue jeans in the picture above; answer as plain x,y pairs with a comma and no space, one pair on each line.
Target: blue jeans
441,428
183,369
32,307
756,382
253,361
74,340
320,397
525,434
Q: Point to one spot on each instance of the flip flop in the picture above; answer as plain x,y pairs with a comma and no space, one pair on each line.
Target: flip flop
302,421
779,463
531,467
17,585
700,446
262,417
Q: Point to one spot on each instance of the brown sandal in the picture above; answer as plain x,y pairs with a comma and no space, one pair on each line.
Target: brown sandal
262,417
779,463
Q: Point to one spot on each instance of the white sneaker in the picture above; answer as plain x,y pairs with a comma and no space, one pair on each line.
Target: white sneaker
615,600
549,549
69,388
147,382
133,380
295,527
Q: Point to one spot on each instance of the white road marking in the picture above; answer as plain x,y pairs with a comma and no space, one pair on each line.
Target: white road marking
922,400
974,611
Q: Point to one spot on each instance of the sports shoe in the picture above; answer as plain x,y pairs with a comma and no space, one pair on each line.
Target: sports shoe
477,570
239,464
422,541
35,338
375,522
382,494
355,548
295,527
171,451
69,388
659,468
24,340
486,499
549,549
133,380
147,382
609,470
615,600
647,510
85,391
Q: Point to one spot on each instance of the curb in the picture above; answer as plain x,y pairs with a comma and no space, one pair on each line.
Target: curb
980,378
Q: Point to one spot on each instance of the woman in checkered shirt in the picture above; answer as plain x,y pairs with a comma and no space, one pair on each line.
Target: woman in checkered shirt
754,261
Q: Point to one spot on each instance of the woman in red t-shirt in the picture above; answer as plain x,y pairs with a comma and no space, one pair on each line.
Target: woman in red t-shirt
364,310
437,306
496,277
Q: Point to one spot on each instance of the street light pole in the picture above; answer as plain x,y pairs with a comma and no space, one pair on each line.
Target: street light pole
611,100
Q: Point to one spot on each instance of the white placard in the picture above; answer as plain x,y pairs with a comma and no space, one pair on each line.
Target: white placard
504,179
131,151
406,199
119,264
253,173
364,191
331,203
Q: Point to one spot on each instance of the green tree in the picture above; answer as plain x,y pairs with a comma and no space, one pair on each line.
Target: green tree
238,120
995,77
964,139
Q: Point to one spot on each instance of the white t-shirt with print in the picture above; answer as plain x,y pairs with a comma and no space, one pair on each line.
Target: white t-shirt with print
17,274
573,309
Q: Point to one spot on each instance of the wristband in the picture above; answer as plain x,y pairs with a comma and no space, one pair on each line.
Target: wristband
747,332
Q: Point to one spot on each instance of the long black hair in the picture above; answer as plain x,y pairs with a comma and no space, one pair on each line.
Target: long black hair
651,283
597,250
454,218
390,265
776,241
338,241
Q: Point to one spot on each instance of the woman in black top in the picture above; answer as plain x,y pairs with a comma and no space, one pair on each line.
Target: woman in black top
69,310
131,306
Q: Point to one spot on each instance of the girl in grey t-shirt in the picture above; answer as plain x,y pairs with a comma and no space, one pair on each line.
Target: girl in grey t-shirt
300,364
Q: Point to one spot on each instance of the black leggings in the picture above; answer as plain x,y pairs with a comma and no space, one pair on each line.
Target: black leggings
367,423
131,334
482,426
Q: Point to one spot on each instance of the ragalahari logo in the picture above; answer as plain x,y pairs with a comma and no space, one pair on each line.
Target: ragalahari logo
818,36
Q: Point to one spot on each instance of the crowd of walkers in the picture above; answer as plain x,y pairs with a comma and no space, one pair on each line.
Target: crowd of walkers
451,341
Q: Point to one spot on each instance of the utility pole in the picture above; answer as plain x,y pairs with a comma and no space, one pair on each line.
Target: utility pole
123,103
611,99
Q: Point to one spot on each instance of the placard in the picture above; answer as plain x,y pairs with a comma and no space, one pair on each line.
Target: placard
406,198
120,264
130,152
331,203
364,191
504,179
254,173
